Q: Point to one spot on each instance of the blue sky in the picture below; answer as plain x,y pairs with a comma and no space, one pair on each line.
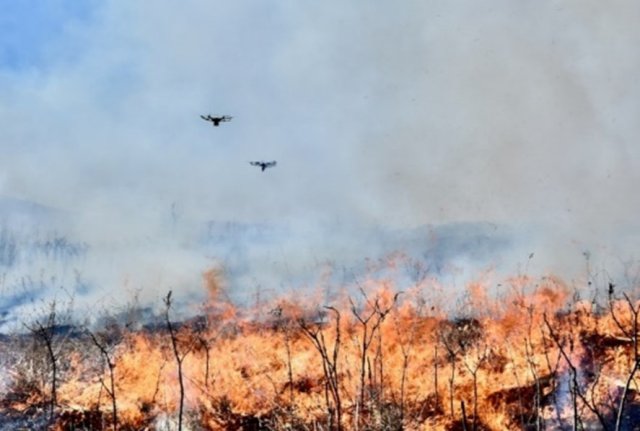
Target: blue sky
428,112
28,27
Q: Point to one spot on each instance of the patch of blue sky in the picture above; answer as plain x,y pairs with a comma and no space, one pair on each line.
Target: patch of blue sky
28,29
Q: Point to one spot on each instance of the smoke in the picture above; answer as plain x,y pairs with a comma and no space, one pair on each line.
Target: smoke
393,116
428,112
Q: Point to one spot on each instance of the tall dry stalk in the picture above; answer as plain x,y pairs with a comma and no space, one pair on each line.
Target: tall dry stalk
629,330
49,332
369,319
577,392
179,356
329,356
102,346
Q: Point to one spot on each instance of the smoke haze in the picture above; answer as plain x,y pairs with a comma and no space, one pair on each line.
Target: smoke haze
518,115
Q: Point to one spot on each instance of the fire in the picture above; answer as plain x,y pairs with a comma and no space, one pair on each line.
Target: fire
523,354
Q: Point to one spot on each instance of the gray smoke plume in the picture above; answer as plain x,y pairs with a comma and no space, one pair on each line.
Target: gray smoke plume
388,117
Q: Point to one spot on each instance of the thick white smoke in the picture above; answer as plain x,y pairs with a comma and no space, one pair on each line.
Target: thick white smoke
521,114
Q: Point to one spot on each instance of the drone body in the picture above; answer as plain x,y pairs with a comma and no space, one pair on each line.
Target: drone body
217,120
223,119
264,165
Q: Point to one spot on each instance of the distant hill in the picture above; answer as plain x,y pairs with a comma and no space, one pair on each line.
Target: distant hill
17,213
257,253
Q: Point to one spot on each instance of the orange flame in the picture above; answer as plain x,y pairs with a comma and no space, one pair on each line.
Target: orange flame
523,356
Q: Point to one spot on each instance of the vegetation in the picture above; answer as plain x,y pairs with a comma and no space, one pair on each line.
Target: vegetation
534,356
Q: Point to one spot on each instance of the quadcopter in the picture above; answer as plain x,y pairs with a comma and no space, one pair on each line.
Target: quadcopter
264,165
217,120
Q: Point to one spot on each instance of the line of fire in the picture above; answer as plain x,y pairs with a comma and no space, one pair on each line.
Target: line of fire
536,354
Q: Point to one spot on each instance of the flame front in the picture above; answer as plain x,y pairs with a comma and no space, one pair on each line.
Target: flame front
531,357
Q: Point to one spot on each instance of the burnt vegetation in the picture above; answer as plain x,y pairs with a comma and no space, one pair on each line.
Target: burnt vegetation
533,358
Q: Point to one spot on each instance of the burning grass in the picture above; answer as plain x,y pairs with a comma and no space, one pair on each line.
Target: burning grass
533,357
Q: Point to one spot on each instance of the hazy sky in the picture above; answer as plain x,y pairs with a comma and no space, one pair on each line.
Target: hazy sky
397,114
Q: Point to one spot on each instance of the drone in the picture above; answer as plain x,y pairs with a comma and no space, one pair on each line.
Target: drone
264,165
217,120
